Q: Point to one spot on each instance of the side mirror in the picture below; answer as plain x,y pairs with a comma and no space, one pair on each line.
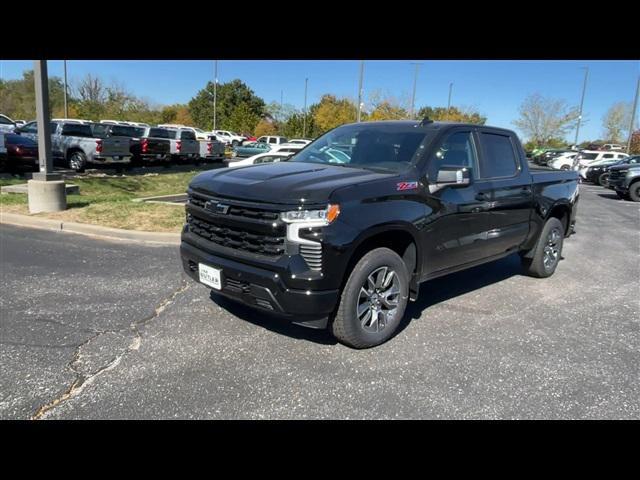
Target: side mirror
453,176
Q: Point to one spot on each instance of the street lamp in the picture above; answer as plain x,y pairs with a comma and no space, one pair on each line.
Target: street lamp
449,101
304,117
633,116
584,88
66,108
215,93
415,81
360,104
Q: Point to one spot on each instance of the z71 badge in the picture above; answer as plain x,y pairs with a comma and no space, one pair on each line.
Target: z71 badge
406,186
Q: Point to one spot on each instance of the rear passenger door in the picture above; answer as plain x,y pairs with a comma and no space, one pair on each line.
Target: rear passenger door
510,196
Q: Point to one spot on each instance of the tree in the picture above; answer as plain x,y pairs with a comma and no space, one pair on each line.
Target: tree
331,112
18,98
460,114
294,126
542,119
635,143
265,127
386,107
177,113
242,119
236,104
280,113
615,122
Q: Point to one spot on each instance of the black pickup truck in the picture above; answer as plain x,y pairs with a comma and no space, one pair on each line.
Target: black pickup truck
342,234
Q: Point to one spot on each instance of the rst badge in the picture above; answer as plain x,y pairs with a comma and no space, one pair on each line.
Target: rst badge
406,186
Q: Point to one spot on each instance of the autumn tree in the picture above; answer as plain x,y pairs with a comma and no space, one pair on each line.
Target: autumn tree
331,112
386,107
265,127
542,118
18,98
635,143
461,114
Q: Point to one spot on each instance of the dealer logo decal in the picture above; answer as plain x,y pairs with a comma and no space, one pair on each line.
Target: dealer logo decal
406,186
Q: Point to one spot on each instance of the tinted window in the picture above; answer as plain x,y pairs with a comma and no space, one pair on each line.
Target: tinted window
455,150
77,130
499,159
588,156
122,131
158,133
100,130
608,155
188,135
5,121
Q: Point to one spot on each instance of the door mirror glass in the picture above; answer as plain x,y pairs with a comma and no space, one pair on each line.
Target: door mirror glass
455,176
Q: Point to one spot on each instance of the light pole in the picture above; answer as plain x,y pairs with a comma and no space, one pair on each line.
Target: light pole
449,101
66,108
46,190
584,88
633,116
360,91
413,95
304,117
281,102
215,93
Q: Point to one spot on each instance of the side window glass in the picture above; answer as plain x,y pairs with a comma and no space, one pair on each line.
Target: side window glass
455,150
499,159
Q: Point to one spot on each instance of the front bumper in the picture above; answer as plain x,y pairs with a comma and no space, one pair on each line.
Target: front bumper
261,287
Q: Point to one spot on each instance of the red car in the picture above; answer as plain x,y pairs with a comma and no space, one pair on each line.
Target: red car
249,137
21,151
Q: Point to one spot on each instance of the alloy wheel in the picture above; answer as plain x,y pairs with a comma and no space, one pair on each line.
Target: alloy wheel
377,302
552,249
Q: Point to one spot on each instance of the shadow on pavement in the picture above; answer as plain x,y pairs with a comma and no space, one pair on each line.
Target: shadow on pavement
431,293
273,322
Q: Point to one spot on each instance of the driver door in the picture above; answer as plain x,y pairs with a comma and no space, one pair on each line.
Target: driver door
460,213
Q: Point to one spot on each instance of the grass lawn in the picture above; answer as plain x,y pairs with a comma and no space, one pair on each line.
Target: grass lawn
108,201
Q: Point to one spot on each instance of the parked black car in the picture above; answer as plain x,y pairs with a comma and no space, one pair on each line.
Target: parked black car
625,180
599,174
346,243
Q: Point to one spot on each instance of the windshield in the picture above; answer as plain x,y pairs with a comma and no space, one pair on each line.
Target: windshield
388,146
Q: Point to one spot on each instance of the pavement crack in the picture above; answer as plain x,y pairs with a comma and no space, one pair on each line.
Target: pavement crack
83,380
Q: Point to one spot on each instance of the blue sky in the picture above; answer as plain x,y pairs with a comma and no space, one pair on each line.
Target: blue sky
496,88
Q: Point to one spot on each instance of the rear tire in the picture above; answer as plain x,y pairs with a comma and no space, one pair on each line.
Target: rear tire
373,300
634,191
78,161
547,252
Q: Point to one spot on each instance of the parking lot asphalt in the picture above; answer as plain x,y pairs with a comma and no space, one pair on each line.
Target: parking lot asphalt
94,329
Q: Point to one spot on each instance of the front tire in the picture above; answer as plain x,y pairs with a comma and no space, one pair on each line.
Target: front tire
235,143
373,300
603,179
548,250
634,191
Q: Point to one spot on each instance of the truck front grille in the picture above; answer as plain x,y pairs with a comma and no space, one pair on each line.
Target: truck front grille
312,255
239,239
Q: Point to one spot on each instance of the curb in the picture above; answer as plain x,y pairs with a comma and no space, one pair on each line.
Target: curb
158,238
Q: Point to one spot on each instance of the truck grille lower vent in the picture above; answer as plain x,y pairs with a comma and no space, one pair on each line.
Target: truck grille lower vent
312,254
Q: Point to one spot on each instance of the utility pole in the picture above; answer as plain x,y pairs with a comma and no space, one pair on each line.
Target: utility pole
360,91
633,116
66,108
449,101
584,88
46,191
304,118
215,93
281,105
415,81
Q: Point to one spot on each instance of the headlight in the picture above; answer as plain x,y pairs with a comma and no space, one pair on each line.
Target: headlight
299,219
325,216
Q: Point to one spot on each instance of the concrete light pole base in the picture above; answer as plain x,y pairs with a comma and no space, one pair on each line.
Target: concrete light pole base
46,196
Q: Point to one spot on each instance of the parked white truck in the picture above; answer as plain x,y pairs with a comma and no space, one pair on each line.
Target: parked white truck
74,145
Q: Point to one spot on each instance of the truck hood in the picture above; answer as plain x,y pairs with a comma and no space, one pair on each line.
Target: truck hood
282,182
625,166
